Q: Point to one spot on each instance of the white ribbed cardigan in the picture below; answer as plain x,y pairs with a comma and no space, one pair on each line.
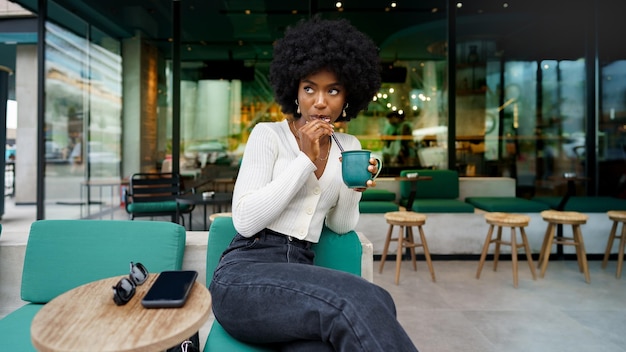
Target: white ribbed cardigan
276,187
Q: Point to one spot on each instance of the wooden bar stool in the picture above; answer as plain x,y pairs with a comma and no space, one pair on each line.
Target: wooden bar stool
406,220
506,220
555,218
618,217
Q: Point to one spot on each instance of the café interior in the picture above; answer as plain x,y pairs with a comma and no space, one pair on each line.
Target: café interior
515,97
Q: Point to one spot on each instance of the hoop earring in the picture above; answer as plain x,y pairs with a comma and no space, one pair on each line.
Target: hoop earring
298,105
344,111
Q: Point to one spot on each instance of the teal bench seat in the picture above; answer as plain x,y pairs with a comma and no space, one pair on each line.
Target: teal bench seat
441,206
373,194
585,204
377,201
438,195
377,207
507,204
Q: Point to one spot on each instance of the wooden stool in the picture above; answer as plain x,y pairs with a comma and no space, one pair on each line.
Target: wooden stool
406,220
506,220
555,218
617,217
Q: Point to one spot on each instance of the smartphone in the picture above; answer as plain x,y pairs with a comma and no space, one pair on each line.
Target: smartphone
170,289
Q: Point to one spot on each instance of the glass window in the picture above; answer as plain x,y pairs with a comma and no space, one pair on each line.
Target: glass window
83,115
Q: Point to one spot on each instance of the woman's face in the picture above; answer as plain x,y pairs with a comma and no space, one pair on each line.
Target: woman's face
321,96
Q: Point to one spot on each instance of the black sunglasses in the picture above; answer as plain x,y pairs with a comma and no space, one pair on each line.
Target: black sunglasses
124,290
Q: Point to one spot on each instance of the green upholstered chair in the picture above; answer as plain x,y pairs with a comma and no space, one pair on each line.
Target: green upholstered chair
341,252
154,194
64,254
438,195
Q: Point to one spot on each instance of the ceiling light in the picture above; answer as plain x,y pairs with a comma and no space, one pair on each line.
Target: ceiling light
505,5
394,4
338,4
247,12
459,5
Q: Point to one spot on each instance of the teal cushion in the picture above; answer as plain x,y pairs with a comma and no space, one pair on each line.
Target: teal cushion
15,328
507,204
373,194
377,207
221,233
63,254
441,206
444,184
339,252
220,340
585,204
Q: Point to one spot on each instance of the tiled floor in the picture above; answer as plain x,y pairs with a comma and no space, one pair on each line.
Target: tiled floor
460,313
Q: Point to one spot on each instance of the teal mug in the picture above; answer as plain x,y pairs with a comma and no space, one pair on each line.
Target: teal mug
354,165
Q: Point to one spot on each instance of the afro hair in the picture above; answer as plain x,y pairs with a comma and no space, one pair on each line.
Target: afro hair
336,45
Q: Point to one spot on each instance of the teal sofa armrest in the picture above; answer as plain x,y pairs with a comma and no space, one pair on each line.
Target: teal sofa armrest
335,251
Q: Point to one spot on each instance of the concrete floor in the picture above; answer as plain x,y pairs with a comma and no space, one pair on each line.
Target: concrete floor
460,313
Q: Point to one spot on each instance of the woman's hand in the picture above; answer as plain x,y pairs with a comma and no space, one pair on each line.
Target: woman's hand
310,135
373,169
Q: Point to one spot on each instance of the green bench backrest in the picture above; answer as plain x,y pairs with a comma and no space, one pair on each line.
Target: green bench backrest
444,184
63,254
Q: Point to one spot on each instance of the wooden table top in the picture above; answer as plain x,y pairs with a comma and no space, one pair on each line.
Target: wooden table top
418,178
87,319
218,198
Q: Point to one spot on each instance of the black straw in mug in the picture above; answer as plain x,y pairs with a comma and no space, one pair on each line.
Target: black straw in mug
337,141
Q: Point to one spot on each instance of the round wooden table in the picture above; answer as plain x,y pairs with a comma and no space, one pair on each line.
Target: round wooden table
87,319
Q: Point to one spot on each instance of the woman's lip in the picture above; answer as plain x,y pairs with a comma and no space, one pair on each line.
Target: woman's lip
320,117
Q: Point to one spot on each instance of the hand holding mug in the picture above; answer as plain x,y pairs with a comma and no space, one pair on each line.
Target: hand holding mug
359,169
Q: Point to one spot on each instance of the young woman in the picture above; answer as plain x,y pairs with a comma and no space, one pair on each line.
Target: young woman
266,288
